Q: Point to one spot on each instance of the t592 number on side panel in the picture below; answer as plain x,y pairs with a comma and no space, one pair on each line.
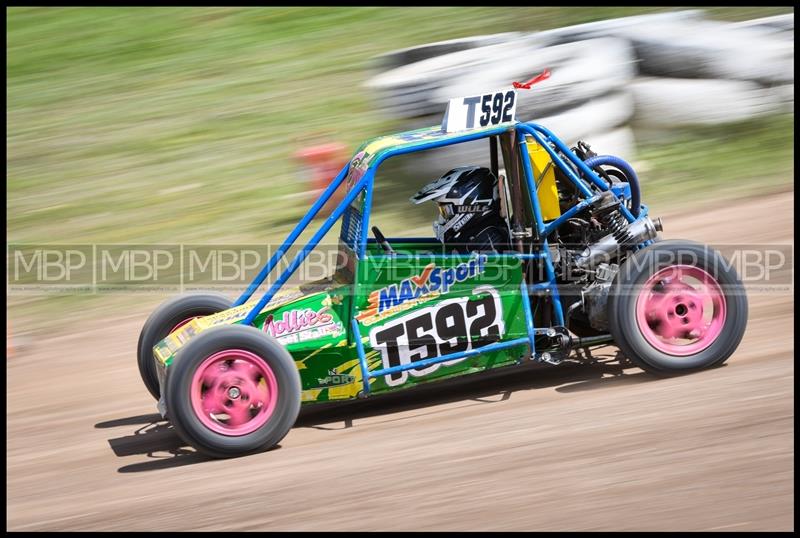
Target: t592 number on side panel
451,326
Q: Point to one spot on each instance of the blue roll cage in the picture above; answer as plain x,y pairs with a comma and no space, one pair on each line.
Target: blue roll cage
365,184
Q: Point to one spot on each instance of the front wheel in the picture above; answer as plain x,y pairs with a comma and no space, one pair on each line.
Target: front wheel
677,307
232,390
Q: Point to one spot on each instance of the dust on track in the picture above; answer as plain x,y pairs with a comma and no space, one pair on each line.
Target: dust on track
577,448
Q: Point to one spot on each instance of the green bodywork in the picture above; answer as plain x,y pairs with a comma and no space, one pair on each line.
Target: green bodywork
410,306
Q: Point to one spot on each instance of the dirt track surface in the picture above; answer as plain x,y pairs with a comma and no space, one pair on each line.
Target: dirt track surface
588,448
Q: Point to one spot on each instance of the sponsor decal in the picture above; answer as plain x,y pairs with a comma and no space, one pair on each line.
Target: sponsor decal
238,313
335,379
173,342
451,326
460,221
472,208
359,158
162,351
430,283
300,325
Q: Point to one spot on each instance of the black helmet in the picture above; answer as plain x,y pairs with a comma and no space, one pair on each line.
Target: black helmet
467,198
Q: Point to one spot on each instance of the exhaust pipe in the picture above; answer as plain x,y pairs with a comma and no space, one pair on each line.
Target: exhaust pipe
605,250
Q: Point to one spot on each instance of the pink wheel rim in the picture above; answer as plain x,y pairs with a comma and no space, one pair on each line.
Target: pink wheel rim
234,392
681,310
182,323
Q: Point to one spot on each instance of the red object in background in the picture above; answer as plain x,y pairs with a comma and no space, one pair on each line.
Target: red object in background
544,75
321,163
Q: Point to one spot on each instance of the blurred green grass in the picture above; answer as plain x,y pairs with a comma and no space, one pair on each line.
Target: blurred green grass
725,161
172,125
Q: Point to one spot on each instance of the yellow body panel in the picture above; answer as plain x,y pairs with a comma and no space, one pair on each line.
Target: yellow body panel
546,189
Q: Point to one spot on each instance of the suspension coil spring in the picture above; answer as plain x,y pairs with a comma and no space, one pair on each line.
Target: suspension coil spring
617,225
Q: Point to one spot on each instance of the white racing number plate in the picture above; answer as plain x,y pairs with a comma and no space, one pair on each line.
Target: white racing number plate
474,112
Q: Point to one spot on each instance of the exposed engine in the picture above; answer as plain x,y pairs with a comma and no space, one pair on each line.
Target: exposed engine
591,246
615,233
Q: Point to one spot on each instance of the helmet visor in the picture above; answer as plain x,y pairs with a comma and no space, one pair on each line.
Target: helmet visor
446,211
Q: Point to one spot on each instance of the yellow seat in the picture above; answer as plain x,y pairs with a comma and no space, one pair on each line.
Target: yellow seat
545,179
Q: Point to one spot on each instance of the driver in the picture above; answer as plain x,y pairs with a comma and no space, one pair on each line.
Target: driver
469,210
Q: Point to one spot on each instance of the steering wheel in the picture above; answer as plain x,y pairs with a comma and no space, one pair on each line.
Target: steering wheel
382,240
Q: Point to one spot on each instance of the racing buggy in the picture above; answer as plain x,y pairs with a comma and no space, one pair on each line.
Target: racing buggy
583,266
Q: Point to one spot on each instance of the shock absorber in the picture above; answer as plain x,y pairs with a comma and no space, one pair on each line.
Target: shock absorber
617,224
621,234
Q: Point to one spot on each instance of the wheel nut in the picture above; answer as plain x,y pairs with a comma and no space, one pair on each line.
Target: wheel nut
233,393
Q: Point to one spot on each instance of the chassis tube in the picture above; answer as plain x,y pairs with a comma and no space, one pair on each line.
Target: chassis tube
574,210
301,226
524,128
449,357
526,305
530,180
362,245
534,129
355,191
362,359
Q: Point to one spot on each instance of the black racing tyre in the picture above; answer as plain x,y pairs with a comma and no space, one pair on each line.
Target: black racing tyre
232,390
166,318
676,307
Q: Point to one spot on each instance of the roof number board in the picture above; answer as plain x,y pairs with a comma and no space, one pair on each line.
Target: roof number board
477,111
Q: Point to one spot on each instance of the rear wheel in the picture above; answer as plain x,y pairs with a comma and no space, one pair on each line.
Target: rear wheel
232,390
677,307
165,319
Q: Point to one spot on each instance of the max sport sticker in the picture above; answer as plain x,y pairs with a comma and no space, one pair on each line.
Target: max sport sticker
429,283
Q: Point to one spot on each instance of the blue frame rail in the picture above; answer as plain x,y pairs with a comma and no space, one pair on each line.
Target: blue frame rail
329,222
366,182
301,226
